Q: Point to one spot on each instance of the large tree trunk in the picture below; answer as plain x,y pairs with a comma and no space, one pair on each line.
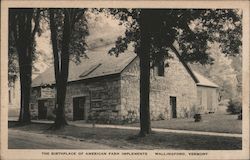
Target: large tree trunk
60,120
24,45
25,83
144,55
61,64
20,29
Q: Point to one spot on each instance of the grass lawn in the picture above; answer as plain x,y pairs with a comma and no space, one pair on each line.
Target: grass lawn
127,139
224,123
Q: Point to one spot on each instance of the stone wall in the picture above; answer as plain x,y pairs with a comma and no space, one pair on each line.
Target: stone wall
49,102
176,82
130,92
102,98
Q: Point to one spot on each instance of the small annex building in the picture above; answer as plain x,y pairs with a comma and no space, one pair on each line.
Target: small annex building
105,88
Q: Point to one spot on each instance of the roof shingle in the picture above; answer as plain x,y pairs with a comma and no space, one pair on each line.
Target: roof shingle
98,64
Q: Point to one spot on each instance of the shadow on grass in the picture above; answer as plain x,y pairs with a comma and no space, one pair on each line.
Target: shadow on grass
128,139
221,123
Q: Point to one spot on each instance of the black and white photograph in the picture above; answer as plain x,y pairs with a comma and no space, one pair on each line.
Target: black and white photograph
122,82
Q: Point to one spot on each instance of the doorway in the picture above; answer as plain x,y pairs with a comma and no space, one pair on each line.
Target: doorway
173,106
78,108
42,109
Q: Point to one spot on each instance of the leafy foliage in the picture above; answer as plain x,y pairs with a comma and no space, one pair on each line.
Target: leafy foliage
234,106
193,29
79,31
15,15
225,72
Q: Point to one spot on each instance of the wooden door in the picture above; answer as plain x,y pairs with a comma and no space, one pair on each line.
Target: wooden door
78,108
173,106
209,100
42,109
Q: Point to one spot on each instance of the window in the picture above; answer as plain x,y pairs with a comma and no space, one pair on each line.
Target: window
160,69
10,97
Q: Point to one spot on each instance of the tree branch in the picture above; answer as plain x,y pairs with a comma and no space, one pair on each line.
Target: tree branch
79,16
14,27
37,19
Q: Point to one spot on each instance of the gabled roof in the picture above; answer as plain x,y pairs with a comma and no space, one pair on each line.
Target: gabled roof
100,64
198,78
189,70
203,81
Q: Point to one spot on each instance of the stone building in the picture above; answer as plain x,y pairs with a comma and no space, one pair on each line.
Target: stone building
105,88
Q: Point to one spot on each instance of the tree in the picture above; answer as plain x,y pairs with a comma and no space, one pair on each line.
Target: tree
68,30
154,31
222,72
12,61
22,41
144,55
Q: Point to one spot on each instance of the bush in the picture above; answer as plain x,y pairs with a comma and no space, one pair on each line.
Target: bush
234,106
197,117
